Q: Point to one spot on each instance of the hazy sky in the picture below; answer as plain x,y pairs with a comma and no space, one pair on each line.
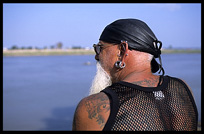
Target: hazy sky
40,25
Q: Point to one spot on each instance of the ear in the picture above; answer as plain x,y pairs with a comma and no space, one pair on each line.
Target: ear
124,50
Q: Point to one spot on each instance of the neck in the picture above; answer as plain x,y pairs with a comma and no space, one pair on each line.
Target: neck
137,68
144,79
137,75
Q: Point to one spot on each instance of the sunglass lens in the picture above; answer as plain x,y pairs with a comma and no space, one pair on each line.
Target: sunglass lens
98,49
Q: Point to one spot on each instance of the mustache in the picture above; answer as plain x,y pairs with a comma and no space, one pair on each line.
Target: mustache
100,81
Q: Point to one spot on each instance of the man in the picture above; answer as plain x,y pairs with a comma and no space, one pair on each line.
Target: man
125,94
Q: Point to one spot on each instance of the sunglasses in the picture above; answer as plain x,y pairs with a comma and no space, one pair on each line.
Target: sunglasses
99,47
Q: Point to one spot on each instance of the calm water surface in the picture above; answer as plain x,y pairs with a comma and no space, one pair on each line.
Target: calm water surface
41,92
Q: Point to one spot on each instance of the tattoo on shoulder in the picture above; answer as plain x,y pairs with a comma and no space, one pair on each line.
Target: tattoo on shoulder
151,82
96,106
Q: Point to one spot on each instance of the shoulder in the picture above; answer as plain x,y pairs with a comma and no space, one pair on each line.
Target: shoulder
184,83
92,112
188,87
179,80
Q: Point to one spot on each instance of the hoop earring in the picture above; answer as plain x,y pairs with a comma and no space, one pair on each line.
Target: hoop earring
119,64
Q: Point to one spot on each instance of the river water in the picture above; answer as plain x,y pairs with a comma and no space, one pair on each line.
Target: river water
42,92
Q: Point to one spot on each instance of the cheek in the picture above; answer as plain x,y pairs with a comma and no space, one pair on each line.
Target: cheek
105,63
113,58
108,61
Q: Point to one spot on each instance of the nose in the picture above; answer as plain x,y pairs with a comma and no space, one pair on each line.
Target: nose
97,57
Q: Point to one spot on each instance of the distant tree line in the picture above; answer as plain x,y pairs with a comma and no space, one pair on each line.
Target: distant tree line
76,47
59,45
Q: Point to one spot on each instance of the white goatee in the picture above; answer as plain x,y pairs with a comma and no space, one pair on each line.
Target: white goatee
100,81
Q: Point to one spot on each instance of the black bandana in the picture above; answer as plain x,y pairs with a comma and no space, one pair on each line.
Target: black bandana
138,35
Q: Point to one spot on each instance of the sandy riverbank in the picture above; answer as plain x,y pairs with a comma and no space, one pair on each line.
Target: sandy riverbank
47,52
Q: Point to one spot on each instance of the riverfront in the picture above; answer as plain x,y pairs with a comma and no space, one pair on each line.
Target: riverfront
42,92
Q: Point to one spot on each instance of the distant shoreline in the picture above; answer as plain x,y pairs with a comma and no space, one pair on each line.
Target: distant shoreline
181,51
48,52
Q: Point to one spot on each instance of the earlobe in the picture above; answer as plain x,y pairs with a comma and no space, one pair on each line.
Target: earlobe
120,64
122,54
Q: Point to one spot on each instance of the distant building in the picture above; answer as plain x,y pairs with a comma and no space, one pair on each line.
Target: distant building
87,48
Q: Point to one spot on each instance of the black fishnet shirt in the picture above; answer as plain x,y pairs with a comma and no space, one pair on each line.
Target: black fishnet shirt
169,106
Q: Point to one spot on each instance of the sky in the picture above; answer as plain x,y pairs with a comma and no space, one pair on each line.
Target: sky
42,25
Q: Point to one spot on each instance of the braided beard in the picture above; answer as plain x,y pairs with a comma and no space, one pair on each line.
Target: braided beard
100,81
